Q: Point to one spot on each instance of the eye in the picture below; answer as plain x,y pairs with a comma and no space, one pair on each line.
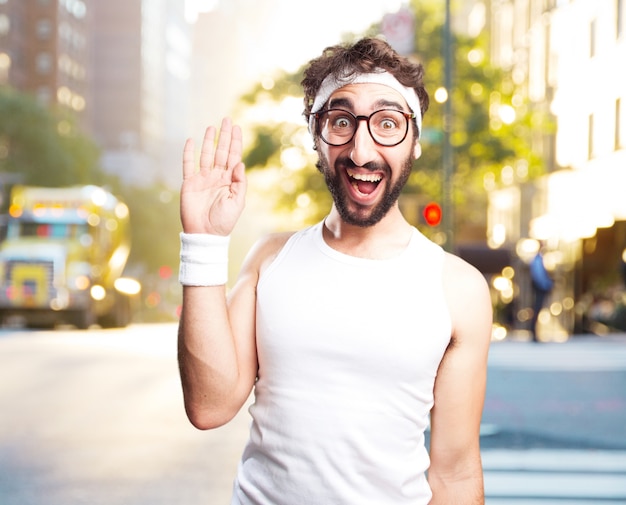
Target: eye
387,123
342,122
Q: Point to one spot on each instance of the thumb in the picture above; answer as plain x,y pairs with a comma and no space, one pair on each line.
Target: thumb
239,180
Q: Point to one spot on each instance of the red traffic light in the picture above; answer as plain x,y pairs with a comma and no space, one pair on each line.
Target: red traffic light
432,214
165,272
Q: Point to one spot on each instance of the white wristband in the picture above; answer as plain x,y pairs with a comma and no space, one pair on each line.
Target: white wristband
203,259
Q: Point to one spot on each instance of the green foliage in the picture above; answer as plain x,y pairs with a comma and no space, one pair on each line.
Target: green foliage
153,210
155,223
272,144
482,143
41,146
264,146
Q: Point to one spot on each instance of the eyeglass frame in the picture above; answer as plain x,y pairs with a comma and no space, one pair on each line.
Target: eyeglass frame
408,116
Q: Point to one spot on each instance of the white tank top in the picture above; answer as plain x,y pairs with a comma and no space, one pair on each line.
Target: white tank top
348,352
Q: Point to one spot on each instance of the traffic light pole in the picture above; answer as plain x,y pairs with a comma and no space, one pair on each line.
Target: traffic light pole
448,168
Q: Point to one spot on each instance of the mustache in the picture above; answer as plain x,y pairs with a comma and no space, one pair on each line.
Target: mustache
372,166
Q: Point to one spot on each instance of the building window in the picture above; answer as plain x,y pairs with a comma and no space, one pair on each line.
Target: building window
43,63
77,8
549,5
5,66
592,38
5,24
44,95
618,124
590,138
44,29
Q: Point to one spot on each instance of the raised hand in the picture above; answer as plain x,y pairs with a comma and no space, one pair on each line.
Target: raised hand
212,198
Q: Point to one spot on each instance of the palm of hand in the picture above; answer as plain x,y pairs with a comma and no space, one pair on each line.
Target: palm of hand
213,198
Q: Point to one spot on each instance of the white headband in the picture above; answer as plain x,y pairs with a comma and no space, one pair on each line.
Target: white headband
332,83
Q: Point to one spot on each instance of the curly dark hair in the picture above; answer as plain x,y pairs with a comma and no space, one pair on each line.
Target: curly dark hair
364,56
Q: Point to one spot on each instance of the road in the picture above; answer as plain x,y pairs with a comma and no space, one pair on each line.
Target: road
554,425
97,418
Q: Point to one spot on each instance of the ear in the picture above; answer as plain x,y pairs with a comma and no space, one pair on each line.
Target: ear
417,150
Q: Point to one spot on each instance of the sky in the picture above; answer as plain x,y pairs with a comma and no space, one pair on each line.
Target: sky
327,20
263,36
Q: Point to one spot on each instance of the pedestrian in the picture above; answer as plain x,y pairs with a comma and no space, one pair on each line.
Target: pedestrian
354,334
542,284
623,267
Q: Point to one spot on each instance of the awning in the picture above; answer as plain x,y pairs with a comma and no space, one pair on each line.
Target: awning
485,259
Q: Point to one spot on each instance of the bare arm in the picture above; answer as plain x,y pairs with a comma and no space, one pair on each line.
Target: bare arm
217,359
455,475
216,348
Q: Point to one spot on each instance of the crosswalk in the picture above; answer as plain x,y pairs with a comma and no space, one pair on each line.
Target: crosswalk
554,477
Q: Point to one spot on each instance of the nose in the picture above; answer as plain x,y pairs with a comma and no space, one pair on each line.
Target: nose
363,146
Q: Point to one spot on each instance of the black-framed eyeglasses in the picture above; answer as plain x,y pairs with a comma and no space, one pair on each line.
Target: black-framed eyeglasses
388,127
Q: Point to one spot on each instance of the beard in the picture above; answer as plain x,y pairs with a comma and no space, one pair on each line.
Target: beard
361,217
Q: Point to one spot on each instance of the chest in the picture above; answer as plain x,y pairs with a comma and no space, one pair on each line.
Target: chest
388,320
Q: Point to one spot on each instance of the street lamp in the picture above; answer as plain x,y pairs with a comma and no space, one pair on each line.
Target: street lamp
447,217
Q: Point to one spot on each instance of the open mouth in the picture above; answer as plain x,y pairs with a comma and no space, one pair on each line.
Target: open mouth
365,184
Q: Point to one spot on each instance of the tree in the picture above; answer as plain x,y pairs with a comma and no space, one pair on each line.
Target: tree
152,210
491,122
155,223
43,146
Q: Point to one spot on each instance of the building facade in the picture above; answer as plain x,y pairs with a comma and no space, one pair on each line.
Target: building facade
122,67
564,55
45,49
140,74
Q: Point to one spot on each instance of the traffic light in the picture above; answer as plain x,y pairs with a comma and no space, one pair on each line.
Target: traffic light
165,272
432,214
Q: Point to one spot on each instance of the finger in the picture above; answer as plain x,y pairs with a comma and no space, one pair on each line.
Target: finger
223,144
235,149
238,186
189,167
208,148
240,183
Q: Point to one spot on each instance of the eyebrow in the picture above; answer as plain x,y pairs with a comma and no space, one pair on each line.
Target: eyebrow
380,104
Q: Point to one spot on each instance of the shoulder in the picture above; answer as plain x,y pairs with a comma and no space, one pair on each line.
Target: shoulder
459,275
468,297
263,252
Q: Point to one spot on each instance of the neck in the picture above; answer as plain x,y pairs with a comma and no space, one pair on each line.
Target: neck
386,239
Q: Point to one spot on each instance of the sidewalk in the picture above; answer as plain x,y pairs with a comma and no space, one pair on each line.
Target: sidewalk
524,336
583,353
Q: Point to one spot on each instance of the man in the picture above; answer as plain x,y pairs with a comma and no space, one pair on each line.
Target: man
542,285
623,267
354,333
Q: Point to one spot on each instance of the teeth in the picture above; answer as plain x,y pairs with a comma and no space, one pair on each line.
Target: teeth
364,177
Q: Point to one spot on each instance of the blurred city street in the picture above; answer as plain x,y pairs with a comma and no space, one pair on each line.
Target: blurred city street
96,417
522,159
